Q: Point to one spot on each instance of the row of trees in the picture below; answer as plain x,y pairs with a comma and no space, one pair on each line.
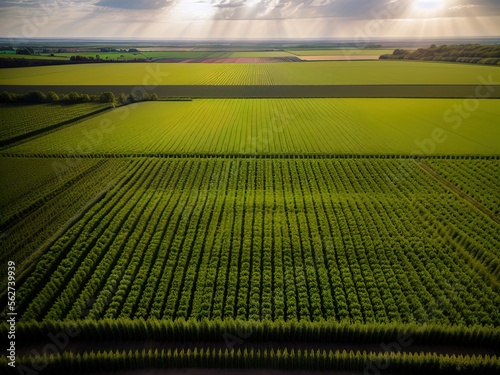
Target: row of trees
97,58
38,97
289,331
283,359
464,53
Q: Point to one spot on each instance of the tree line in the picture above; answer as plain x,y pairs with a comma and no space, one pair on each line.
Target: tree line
38,97
218,330
279,359
463,53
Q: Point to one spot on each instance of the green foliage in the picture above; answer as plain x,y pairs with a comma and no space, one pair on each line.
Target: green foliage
284,359
20,119
332,260
34,97
463,53
317,73
107,97
478,179
52,96
289,126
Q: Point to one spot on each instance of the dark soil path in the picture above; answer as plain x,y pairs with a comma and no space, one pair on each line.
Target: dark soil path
274,91
82,346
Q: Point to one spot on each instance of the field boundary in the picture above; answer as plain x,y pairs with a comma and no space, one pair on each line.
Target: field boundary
423,91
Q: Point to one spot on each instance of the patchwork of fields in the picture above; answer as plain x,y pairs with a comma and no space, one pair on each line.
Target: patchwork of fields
202,56
292,233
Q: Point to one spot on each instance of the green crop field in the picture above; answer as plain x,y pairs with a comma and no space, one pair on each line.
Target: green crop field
19,119
39,196
293,252
359,235
302,249
477,178
274,126
313,73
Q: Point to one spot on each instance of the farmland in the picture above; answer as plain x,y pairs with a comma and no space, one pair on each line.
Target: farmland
353,234
313,73
269,240
480,179
118,56
237,233
41,196
280,126
18,120
199,55
340,52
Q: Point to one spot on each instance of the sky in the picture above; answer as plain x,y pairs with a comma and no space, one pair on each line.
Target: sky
357,20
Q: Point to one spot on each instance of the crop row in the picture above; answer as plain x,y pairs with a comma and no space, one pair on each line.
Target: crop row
308,240
283,359
216,331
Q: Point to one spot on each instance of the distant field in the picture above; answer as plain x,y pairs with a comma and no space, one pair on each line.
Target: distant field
341,52
365,126
197,54
313,73
338,57
28,57
181,55
262,54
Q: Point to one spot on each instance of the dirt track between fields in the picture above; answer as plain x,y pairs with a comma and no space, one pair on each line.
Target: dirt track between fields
269,91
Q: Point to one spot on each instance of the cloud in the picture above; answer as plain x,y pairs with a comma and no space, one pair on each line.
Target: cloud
300,9
229,4
242,18
134,4
18,3
466,6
